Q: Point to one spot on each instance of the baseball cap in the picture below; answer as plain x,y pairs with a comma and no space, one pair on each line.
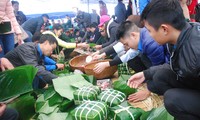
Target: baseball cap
103,19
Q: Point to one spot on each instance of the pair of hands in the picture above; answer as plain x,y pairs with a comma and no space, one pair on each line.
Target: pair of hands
2,109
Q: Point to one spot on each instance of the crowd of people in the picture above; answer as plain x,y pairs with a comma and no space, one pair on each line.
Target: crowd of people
157,38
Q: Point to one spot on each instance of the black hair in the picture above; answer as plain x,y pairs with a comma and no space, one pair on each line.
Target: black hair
45,15
36,37
159,12
57,27
14,2
48,37
125,28
93,25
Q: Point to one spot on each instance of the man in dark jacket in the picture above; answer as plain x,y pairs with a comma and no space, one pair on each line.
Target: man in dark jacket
34,25
120,12
33,54
179,82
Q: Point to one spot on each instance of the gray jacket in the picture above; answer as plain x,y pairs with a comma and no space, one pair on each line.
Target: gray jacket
33,24
27,54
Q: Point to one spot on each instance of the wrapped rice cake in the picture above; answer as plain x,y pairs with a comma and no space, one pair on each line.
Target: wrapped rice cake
90,110
125,111
86,93
112,97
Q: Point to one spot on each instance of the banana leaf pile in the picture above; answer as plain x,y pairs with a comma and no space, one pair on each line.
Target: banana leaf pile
121,85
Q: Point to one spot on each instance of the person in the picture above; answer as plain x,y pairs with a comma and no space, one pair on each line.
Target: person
67,25
9,26
191,7
33,25
179,82
129,9
33,54
96,34
21,18
103,8
49,63
120,12
110,27
95,18
184,6
57,31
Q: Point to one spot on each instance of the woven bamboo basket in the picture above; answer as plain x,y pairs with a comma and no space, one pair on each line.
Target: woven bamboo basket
106,73
78,62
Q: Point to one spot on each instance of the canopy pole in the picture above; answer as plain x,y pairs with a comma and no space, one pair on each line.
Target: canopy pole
88,6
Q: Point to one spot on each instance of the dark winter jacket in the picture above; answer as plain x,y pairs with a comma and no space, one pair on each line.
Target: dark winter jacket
111,29
28,54
33,24
185,60
120,12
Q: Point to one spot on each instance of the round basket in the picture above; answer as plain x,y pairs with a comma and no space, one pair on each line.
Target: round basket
106,73
78,62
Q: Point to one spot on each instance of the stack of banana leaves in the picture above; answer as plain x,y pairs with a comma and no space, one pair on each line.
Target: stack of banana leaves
57,101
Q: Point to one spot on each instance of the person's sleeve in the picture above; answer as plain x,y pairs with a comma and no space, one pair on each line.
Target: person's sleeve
115,61
61,42
49,61
39,25
152,70
130,54
50,67
108,48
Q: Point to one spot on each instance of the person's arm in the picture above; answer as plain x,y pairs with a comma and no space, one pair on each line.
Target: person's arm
2,109
117,48
108,48
150,72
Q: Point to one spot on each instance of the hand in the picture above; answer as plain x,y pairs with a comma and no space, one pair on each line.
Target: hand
19,39
136,80
82,45
5,64
99,67
139,96
2,109
98,47
60,66
95,53
97,57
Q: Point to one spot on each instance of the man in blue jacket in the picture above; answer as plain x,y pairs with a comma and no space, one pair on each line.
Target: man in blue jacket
120,12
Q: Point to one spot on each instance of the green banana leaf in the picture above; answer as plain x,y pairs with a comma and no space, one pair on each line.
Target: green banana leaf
54,116
55,99
24,105
66,105
92,44
66,86
43,107
157,114
90,78
16,82
121,85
